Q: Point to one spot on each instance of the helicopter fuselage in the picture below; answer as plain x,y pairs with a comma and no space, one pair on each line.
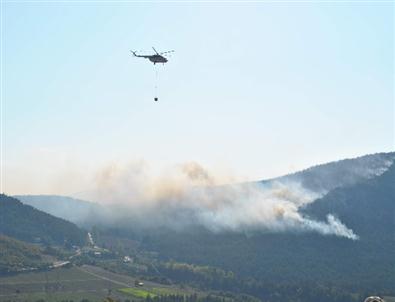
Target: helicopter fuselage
157,59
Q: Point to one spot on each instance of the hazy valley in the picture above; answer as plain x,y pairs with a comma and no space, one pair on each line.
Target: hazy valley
306,236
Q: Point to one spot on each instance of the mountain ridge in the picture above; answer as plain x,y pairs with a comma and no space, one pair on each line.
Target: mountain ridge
318,179
341,172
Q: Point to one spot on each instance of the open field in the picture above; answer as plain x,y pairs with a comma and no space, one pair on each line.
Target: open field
151,288
54,285
136,292
77,283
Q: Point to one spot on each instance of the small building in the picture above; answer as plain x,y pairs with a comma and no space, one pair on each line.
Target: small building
127,259
138,283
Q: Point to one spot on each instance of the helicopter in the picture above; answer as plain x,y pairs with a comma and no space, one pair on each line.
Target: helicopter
156,58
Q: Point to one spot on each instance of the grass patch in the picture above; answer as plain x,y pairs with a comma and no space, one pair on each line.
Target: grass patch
168,291
136,292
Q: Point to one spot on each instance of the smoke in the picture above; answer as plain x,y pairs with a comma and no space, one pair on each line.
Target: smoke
188,195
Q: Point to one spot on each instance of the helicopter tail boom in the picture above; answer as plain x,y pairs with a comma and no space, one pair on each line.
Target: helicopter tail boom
139,56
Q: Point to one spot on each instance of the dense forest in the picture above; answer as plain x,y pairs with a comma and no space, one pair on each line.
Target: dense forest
26,223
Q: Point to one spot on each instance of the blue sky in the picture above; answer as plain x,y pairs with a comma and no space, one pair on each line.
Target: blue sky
257,89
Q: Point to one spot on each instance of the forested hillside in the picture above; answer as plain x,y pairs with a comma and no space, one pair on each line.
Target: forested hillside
367,207
26,223
346,172
16,255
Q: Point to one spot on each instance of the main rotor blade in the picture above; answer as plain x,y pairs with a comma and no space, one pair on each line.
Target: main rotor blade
155,50
162,53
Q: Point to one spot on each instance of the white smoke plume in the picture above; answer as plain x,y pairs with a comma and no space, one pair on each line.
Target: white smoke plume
189,195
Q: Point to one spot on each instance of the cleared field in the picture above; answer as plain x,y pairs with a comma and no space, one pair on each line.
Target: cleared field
56,285
128,282
61,274
77,283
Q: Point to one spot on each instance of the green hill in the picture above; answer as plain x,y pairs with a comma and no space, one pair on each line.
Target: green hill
26,223
367,207
18,256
